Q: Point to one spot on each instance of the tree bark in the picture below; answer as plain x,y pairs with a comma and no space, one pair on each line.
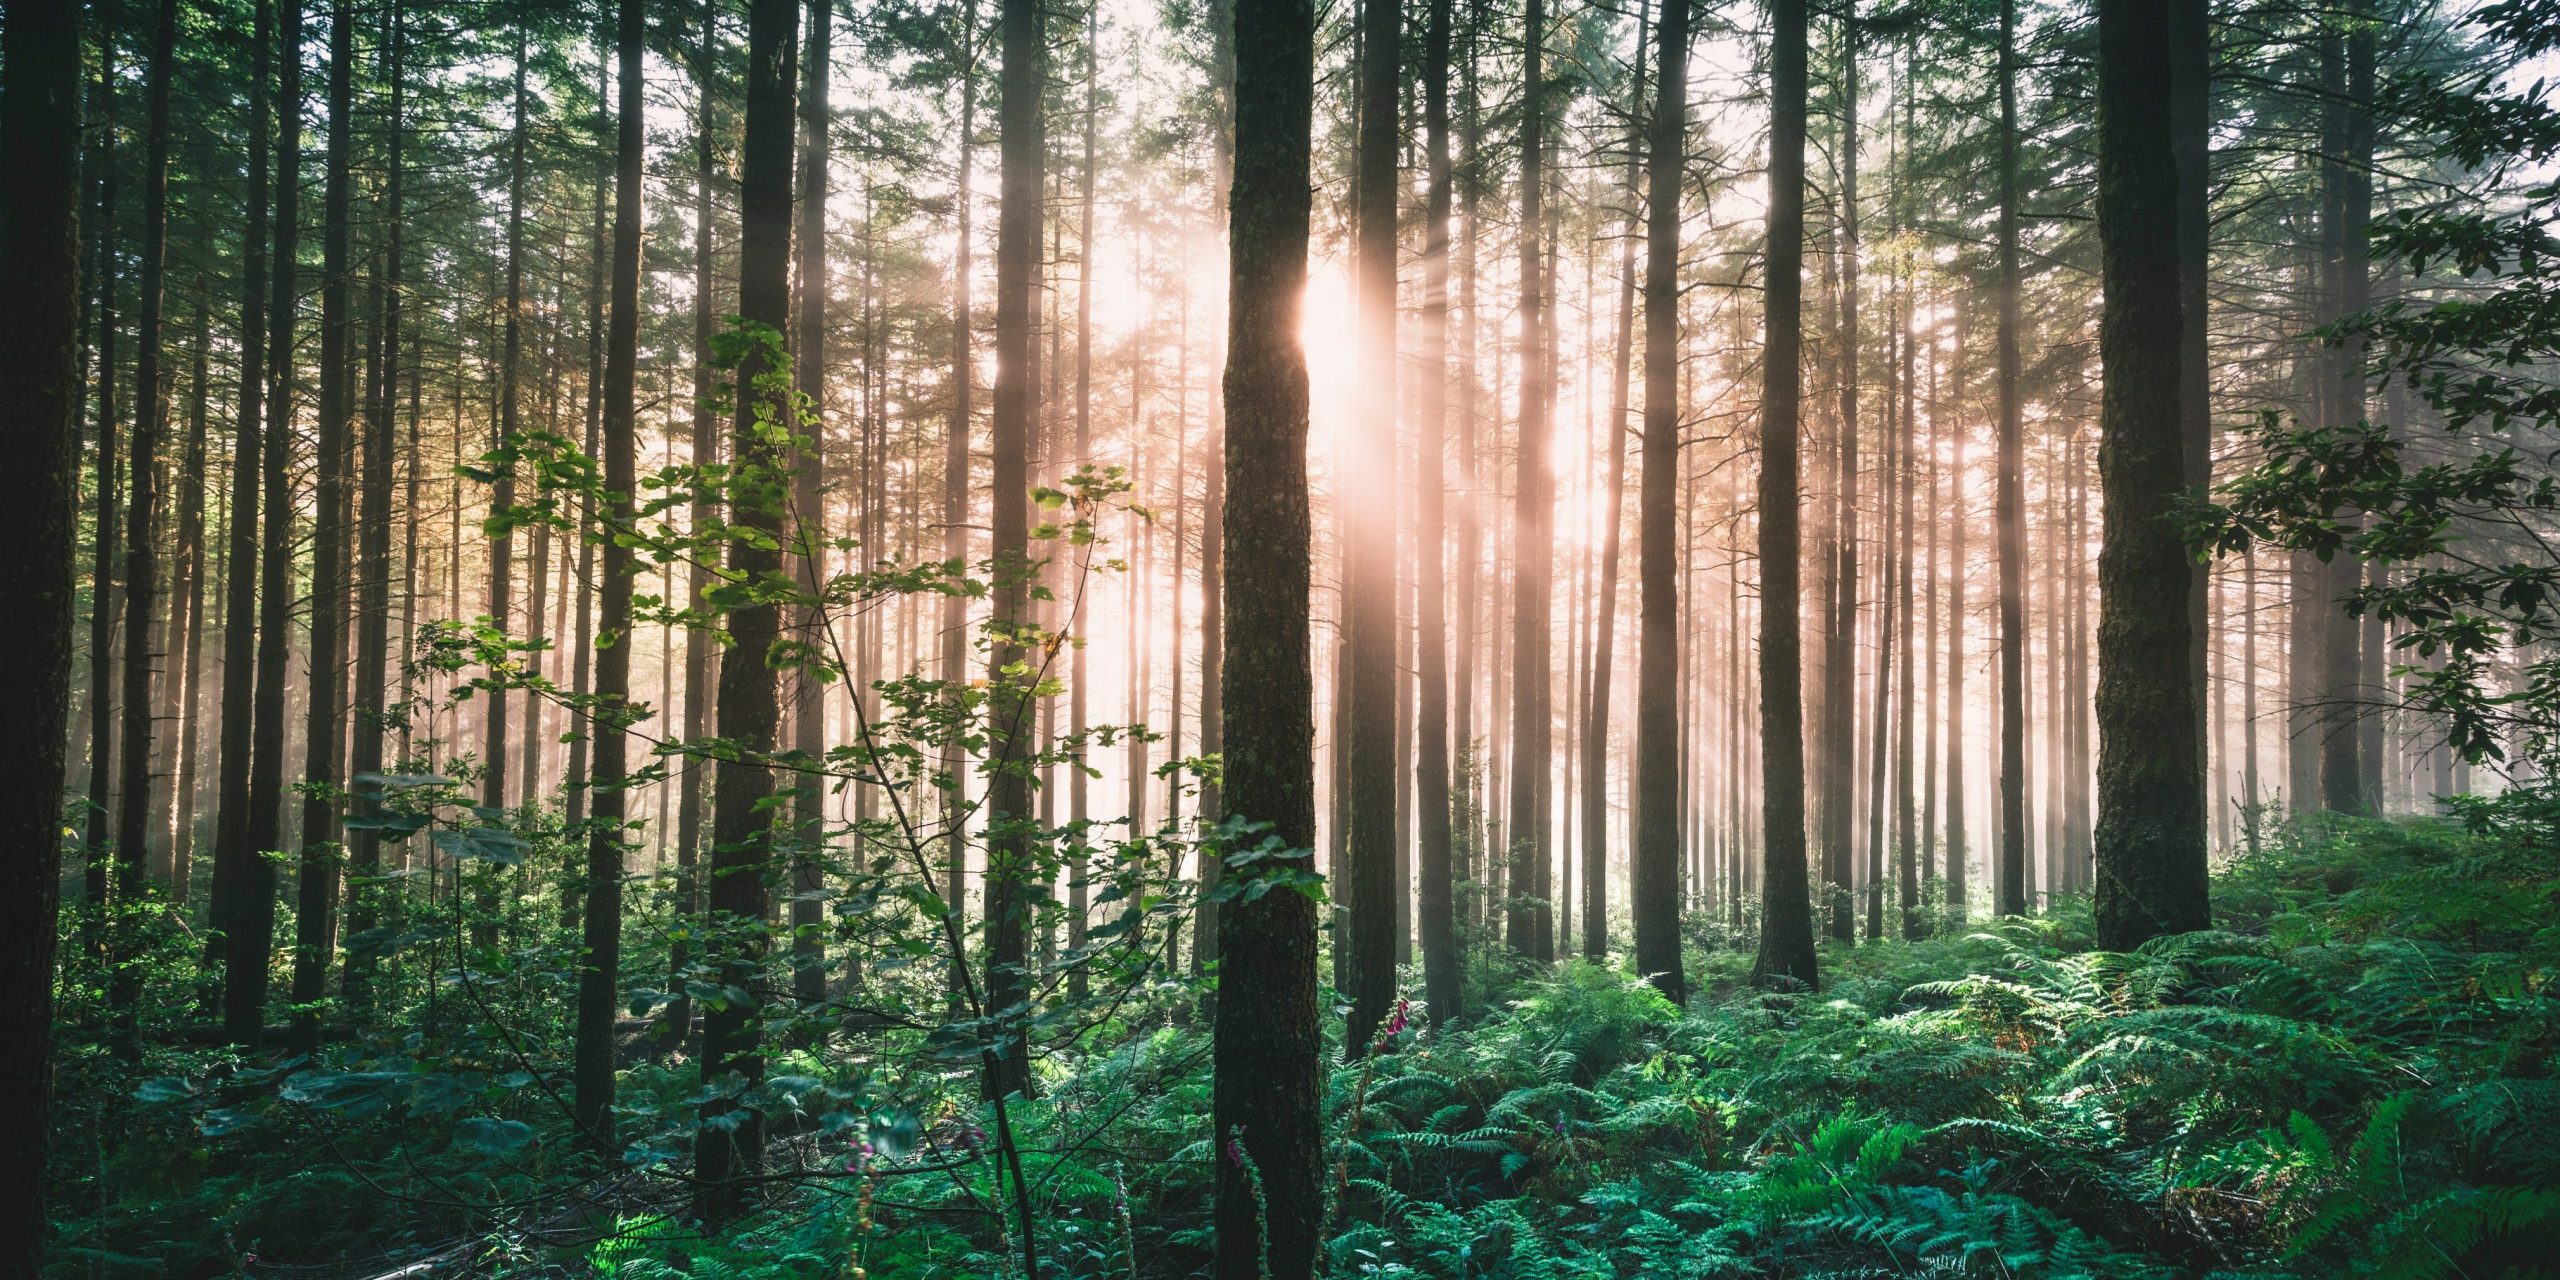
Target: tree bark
1443,980
2151,820
1022,135
493,779
138,705
325,728
1078,687
1368,606
1839,742
2347,185
238,872
1654,880
1213,500
1266,1123
1595,730
39,341
1786,928
955,502
2010,885
253,941
698,645
373,536
809,522
729,1146
599,975
1532,675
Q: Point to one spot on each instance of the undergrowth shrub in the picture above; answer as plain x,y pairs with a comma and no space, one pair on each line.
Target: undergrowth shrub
2352,1076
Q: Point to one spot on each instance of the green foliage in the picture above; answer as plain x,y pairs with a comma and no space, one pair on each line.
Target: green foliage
2448,488
2353,1077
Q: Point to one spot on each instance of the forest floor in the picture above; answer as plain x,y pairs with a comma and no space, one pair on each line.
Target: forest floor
2355,1076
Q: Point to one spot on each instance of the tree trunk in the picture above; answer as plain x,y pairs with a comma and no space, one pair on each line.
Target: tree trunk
141,551
1909,835
729,1147
1654,879
1443,980
1213,501
106,524
373,569
698,644
2347,183
2150,834
599,976
1838,737
325,727
2191,140
1022,136
1532,719
1080,850
1368,606
1595,732
39,379
809,523
1959,851
955,511
2010,885
493,779
238,872
1266,1126
186,698
253,940
1786,926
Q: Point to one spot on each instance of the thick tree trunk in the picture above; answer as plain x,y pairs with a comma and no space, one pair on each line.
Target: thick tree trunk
2347,182
599,975
1011,877
729,1146
373,567
139,706
324,726
2150,835
1266,1122
238,872
1368,606
1654,879
39,379
253,940
1786,927
1595,730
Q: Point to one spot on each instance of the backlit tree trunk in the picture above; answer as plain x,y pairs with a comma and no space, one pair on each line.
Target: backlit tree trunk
2151,820
1266,1122
1786,927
